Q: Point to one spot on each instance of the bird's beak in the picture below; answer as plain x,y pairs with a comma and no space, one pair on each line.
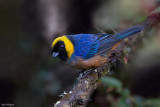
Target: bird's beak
55,54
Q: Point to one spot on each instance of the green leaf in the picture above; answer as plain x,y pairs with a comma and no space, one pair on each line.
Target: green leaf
111,82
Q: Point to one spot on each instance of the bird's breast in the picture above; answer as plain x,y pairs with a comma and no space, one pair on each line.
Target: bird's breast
91,63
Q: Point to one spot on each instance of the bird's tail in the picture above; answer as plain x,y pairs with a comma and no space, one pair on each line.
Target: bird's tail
128,32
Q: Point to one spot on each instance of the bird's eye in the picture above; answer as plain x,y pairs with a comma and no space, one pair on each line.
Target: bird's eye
61,46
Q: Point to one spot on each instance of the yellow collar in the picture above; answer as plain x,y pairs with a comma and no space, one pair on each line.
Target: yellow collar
68,44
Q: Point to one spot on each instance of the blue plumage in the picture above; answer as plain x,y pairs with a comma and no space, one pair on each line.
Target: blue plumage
88,45
128,32
88,51
84,44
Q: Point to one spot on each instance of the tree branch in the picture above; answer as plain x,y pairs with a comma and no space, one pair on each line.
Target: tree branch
83,89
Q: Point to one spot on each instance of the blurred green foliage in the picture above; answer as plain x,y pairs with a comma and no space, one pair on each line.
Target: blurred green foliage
125,98
112,83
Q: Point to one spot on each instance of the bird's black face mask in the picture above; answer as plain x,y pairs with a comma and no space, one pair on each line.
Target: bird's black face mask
60,51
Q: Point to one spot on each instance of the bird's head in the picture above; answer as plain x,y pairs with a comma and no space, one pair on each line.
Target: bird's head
62,47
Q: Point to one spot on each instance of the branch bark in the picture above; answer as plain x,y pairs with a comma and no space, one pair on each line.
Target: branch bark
81,92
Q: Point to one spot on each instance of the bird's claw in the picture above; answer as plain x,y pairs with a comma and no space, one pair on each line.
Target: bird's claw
84,74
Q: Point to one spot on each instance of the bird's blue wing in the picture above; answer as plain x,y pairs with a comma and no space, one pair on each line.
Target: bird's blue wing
88,45
105,44
92,50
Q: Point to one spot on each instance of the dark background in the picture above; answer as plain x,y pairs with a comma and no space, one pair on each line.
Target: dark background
30,77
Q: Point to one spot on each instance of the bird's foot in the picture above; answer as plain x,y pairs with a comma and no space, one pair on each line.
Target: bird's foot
84,73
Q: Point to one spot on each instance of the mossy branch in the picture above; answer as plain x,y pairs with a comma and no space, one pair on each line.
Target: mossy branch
80,94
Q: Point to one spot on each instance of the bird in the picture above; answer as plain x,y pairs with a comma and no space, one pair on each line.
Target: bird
89,51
